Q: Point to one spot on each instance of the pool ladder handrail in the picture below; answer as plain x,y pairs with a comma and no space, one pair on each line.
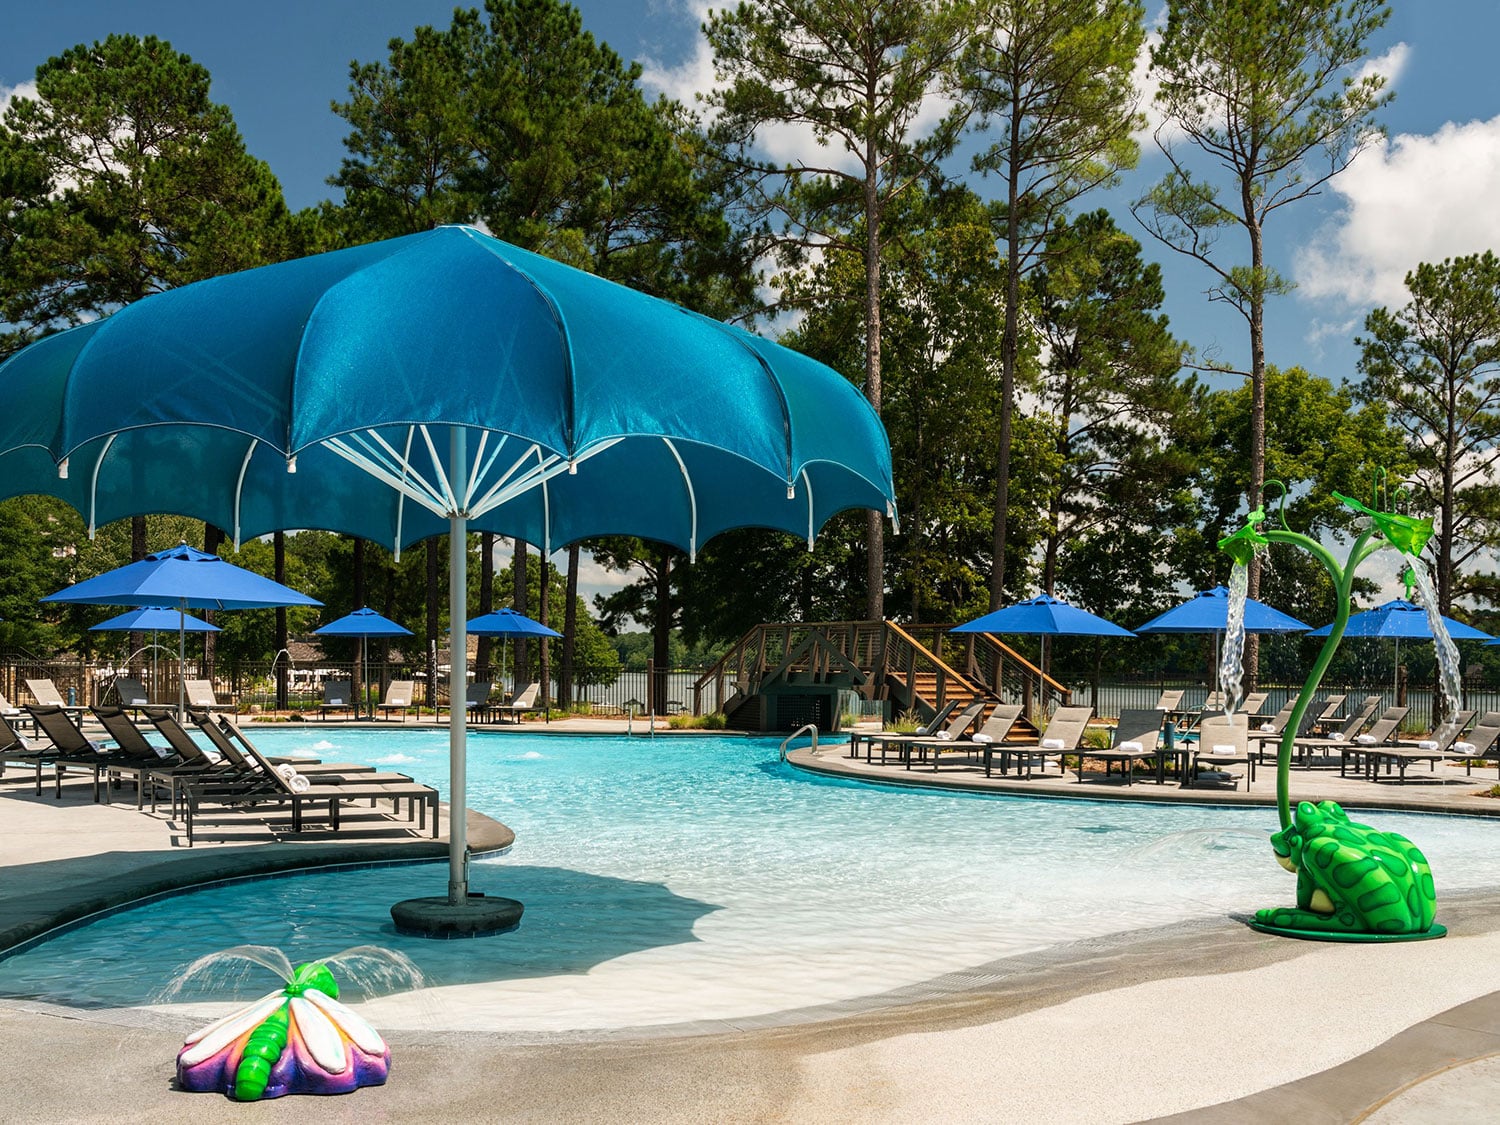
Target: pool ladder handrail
804,728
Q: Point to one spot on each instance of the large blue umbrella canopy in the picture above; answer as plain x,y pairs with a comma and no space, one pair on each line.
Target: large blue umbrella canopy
153,619
509,623
1401,620
1044,616
363,623
487,387
1207,611
187,579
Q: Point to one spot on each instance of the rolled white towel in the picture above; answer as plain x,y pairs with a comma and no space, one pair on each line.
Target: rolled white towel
1337,736
943,736
1223,748
298,784
1365,739
1268,728
1427,744
287,770
982,737
1135,747
1463,747
1054,744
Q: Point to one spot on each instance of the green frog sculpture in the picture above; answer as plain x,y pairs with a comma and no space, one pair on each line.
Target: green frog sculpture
1351,879
1354,882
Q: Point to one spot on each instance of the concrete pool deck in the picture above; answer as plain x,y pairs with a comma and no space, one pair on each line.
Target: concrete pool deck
1170,1021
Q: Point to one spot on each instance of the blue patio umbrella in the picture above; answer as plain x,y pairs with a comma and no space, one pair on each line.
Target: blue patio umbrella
184,578
485,387
1400,620
1207,611
363,623
507,623
1044,616
153,620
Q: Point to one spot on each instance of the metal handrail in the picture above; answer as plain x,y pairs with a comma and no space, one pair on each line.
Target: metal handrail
813,727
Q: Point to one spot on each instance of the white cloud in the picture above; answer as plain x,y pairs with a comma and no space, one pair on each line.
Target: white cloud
691,79
10,93
1391,65
1412,199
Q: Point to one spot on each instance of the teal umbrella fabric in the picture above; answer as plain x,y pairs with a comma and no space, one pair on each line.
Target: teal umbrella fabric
440,382
269,399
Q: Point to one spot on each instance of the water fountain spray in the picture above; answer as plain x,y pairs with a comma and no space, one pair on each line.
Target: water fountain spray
1354,883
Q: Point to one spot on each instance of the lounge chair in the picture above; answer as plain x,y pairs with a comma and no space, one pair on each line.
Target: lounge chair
1169,700
1271,729
45,693
1444,748
1225,742
18,750
926,730
1346,733
234,745
1328,713
131,693
1137,736
956,727
155,763
1252,703
398,697
299,790
71,747
201,697
1381,733
522,704
338,695
477,699
994,729
1061,736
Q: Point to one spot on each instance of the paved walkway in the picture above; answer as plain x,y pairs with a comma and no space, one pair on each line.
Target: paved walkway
1206,1020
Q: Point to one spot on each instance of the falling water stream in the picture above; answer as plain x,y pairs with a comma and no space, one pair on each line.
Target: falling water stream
1447,652
363,970
1232,660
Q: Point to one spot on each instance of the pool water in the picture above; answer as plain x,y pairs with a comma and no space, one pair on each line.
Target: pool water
683,879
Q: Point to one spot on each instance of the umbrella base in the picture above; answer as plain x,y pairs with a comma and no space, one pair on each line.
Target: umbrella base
438,918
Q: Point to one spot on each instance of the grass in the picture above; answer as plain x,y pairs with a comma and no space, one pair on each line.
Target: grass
714,720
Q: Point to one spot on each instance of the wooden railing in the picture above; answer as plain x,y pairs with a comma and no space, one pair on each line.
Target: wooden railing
917,667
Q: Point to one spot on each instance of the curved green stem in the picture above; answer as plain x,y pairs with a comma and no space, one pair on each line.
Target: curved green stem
1343,581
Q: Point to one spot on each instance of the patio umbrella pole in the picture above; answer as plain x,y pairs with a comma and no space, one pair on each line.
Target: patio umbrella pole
181,662
459,912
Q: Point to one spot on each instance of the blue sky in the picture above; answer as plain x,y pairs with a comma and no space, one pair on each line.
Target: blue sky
1432,190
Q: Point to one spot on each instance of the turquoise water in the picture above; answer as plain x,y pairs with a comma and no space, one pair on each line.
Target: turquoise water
680,879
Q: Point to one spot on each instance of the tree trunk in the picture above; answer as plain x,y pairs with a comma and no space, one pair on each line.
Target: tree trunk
521,649
1008,350
570,629
661,629
213,539
1257,415
278,565
875,521
357,565
482,670
1445,512
434,564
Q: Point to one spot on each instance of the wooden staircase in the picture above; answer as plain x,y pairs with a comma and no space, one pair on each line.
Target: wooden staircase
780,675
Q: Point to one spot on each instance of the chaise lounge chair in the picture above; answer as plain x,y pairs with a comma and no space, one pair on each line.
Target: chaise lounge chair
1063,733
926,730
45,692
398,697
131,693
1444,748
994,729
523,704
1137,736
338,695
956,727
201,697
1381,733
1225,742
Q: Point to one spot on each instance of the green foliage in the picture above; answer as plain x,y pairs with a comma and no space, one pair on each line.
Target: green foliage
714,720
121,178
1435,365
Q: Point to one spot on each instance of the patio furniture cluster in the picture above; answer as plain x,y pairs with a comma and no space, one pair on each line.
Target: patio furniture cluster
228,778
